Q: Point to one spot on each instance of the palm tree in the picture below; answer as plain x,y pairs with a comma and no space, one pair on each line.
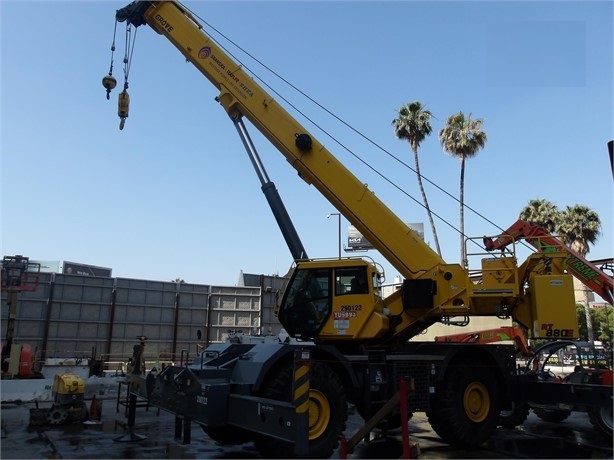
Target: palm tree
413,125
178,281
462,137
542,212
580,226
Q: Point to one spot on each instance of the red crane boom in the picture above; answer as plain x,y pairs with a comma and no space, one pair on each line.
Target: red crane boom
536,235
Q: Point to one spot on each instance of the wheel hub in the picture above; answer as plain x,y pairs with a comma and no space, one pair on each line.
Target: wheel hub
319,414
476,402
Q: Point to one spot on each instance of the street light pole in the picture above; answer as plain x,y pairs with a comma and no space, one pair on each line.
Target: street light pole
339,228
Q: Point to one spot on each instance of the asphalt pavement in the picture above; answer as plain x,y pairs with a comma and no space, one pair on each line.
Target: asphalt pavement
153,437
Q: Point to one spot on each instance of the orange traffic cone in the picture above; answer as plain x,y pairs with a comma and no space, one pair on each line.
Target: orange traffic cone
94,411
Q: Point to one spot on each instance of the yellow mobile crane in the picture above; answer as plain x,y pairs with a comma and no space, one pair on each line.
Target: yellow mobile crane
356,340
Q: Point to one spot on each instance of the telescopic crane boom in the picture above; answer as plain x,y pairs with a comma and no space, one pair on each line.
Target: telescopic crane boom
241,97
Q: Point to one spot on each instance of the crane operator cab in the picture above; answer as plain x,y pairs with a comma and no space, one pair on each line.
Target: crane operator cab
333,299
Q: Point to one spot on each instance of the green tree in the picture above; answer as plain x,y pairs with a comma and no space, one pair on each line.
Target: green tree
413,125
581,315
178,281
462,137
602,319
603,322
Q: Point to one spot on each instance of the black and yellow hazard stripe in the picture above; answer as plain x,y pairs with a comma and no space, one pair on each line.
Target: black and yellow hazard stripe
301,388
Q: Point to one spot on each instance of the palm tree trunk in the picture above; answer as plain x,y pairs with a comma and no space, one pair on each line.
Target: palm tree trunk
590,333
426,203
587,311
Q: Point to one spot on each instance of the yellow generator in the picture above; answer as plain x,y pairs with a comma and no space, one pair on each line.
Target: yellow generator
68,402
68,399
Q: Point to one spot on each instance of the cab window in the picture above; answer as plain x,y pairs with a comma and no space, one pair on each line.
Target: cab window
352,280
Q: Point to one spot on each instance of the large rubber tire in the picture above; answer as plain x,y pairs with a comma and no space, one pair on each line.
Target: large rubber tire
514,417
551,415
601,418
327,412
227,435
465,408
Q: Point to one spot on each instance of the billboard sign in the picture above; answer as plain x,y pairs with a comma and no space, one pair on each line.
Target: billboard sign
357,242
72,268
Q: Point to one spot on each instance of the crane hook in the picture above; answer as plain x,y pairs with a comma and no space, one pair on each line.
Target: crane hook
123,104
109,82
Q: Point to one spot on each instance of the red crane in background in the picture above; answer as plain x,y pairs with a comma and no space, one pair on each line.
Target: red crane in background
536,235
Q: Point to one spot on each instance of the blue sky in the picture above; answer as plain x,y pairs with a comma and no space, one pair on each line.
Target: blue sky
174,195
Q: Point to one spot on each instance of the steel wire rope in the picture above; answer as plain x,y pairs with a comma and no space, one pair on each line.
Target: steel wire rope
108,81
130,43
113,46
124,98
350,127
